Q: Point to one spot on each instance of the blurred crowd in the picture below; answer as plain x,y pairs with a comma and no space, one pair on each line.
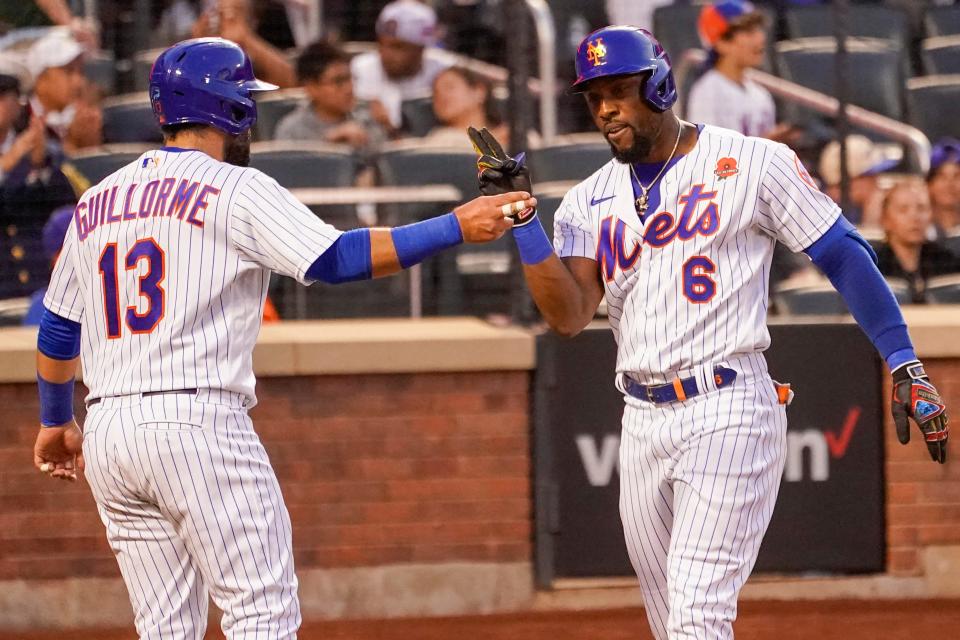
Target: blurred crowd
383,71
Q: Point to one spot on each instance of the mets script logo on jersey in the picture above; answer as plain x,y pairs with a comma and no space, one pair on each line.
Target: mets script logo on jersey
726,168
597,52
612,251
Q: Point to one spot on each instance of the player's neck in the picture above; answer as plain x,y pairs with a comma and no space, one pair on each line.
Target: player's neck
204,140
730,69
666,141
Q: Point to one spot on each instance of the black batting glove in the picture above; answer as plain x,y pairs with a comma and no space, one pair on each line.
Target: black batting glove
915,397
499,173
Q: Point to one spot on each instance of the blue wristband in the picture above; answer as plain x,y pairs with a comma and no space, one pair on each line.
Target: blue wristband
532,242
56,402
418,241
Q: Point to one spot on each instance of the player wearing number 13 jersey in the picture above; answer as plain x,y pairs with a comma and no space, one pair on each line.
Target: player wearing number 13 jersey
161,284
677,234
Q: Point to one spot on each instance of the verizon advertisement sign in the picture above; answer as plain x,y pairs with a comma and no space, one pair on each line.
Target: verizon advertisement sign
829,516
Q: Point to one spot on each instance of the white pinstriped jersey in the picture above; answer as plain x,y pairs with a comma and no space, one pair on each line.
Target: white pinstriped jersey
688,284
167,265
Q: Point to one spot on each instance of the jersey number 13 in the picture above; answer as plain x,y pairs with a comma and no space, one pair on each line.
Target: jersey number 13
149,287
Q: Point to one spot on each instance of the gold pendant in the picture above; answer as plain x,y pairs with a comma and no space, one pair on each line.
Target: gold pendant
641,204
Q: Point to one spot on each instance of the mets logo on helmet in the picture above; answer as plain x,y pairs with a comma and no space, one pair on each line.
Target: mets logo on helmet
597,52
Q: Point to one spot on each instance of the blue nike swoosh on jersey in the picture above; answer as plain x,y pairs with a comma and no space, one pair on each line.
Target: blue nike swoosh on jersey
595,201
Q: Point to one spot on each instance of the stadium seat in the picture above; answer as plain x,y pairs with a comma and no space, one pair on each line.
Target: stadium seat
142,64
302,164
13,311
876,73
100,69
411,163
930,100
98,163
822,299
942,21
380,298
129,118
864,21
272,107
952,241
941,55
944,289
572,157
675,26
418,116
472,279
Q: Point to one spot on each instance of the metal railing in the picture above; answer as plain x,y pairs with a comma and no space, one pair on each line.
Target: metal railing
913,138
546,53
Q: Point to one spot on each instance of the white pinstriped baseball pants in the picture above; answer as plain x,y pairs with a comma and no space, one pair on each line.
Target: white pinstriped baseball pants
698,483
192,506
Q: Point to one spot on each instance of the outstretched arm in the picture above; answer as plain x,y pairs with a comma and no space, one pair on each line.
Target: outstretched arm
361,254
850,264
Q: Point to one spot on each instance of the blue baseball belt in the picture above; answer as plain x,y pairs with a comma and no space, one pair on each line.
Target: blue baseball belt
679,390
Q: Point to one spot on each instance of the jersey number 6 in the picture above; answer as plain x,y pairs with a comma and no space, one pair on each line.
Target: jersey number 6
149,286
698,286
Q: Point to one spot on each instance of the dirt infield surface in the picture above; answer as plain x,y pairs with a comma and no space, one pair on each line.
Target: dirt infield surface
834,620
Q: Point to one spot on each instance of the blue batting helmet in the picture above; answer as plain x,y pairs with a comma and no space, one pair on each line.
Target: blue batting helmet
205,81
625,50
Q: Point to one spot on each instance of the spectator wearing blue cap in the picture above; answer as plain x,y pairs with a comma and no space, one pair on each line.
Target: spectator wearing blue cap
54,231
943,184
733,32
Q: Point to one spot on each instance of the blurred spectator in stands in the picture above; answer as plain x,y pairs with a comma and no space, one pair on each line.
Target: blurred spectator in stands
405,63
17,148
331,112
16,14
86,129
461,99
55,62
733,32
865,162
906,217
943,183
233,20
54,231
175,22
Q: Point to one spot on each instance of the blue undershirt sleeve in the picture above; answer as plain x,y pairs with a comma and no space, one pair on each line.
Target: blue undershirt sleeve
849,263
58,338
346,260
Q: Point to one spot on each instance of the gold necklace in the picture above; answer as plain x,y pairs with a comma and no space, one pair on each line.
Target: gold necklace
641,203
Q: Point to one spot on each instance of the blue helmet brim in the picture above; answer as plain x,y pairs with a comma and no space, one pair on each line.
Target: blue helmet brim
259,85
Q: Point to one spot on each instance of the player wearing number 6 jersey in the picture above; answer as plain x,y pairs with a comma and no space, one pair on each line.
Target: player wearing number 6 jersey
677,232
161,284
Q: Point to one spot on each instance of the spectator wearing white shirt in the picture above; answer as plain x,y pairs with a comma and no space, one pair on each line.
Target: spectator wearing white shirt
733,32
405,63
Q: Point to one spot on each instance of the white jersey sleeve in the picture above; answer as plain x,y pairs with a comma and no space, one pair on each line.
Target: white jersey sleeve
272,228
791,208
64,295
572,230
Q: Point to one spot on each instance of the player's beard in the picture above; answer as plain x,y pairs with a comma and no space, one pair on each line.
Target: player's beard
237,150
638,151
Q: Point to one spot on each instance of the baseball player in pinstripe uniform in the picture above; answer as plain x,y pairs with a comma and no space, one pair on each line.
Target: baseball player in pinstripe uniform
677,232
161,285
